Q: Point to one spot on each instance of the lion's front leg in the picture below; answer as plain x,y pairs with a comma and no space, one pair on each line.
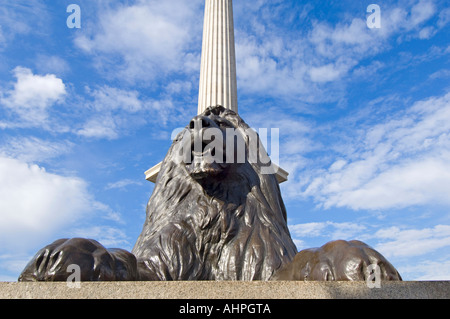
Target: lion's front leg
170,254
95,263
338,261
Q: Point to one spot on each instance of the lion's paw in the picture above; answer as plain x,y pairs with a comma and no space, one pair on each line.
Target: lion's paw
55,262
338,261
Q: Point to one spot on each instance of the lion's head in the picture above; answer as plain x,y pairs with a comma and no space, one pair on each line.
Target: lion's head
214,214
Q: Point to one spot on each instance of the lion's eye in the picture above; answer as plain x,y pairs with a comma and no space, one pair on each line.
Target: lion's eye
222,125
215,111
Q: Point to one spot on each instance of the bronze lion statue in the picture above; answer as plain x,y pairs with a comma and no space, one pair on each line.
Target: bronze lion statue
216,213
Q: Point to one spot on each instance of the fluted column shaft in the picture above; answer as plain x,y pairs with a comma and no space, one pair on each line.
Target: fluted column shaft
218,85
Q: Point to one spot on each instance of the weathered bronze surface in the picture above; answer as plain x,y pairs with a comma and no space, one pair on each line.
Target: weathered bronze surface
337,261
208,220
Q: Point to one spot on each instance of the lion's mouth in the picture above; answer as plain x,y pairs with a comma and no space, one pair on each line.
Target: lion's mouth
208,161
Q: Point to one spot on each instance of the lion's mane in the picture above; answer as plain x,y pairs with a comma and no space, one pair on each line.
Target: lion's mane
233,229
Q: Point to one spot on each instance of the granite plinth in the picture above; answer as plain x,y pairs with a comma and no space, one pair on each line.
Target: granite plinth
226,290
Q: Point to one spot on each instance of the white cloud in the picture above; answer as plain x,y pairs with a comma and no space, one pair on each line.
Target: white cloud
122,184
308,229
444,18
314,65
262,69
2,38
286,64
426,33
351,38
178,87
109,237
35,203
109,99
145,40
356,38
33,149
33,95
399,163
428,270
331,230
99,127
18,18
398,242
51,63
408,184
108,110
111,112
422,11
443,73
107,212
36,206
328,73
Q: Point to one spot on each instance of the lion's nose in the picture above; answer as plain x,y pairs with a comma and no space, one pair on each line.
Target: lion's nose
200,121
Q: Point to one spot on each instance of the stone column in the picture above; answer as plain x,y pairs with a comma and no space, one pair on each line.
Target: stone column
218,85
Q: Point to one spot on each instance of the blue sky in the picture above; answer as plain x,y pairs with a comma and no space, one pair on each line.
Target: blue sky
363,114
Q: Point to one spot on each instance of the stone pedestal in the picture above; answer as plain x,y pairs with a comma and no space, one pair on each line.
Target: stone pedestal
226,290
